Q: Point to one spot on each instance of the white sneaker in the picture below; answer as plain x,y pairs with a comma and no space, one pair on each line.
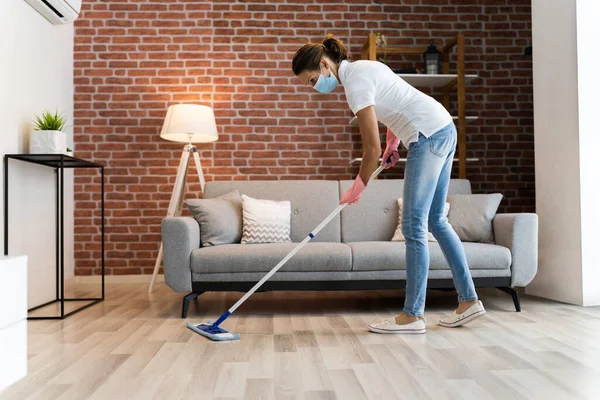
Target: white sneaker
390,326
472,313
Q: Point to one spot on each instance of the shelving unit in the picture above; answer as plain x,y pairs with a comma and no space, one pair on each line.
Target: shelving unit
447,81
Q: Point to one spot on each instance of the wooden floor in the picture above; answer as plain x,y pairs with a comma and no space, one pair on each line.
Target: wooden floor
310,345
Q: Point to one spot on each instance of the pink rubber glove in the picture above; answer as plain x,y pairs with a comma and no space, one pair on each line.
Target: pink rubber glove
391,151
352,195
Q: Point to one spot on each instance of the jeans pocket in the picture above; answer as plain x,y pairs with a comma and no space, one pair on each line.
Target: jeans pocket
417,142
440,145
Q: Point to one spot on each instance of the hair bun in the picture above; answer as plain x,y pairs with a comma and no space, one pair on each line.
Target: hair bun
335,49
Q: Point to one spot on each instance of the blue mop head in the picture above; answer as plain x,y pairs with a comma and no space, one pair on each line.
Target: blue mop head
212,332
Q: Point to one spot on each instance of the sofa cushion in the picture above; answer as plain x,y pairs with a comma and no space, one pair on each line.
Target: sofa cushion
220,219
375,216
233,258
381,256
265,221
312,201
471,216
389,275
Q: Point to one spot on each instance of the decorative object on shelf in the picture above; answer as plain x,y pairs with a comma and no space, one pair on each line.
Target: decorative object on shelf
48,136
381,42
185,123
432,59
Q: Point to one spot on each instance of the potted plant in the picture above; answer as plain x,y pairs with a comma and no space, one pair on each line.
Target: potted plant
48,136
381,43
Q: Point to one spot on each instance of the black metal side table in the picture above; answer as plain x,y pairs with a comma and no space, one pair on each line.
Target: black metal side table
59,162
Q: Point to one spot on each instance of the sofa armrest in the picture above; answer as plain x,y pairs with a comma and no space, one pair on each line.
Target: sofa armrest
519,232
180,236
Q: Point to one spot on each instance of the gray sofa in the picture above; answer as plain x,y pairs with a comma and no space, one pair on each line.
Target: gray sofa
353,252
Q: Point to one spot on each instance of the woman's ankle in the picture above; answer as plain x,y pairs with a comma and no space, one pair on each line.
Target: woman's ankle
464,305
403,319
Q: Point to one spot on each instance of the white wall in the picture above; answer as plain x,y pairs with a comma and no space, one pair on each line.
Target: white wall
588,62
556,151
567,164
36,73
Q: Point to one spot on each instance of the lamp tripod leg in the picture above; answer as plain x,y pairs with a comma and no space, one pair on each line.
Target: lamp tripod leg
174,205
199,170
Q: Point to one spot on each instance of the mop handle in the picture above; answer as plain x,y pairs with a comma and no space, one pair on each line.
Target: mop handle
311,235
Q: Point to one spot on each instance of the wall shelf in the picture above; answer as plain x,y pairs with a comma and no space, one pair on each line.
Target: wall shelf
359,160
354,121
437,80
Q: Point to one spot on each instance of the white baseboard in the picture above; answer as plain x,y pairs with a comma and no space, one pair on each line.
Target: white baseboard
13,322
95,279
13,348
13,290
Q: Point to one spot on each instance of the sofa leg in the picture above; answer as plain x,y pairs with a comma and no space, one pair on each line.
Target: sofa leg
515,296
186,302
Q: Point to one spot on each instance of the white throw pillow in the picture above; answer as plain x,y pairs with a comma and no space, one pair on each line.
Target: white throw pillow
265,221
399,237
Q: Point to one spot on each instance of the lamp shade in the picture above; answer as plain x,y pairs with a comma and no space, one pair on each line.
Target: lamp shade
189,123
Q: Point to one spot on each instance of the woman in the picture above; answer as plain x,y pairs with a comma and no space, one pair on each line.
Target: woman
426,129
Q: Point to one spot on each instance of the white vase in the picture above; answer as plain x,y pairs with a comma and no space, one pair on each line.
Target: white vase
48,142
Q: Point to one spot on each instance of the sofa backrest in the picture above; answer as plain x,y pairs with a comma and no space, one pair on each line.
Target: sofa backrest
312,201
375,216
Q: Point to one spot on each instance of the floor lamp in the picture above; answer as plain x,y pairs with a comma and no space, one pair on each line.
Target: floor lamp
185,123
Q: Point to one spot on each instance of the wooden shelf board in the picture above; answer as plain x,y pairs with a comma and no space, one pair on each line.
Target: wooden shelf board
403,50
469,118
431,80
358,160
354,121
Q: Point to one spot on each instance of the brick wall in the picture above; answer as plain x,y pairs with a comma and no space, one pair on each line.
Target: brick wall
134,58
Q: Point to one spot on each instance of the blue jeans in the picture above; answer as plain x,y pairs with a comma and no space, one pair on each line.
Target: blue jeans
426,179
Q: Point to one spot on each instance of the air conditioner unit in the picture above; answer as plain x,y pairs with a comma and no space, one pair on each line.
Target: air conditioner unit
57,11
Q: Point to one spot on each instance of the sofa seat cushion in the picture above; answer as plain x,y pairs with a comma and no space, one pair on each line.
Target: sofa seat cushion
232,258
383,256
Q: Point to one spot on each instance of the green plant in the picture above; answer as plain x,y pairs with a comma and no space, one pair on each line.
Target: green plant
50,122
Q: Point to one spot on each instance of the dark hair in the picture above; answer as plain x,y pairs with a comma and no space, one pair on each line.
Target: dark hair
309,56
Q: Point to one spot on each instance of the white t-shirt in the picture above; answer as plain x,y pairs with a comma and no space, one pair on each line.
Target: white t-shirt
402,108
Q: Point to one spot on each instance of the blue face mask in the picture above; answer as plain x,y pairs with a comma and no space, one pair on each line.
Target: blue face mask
326,84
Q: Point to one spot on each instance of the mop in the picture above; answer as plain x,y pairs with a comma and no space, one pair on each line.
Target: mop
213,331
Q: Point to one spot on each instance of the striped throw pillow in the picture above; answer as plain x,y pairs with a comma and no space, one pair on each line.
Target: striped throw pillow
265,221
